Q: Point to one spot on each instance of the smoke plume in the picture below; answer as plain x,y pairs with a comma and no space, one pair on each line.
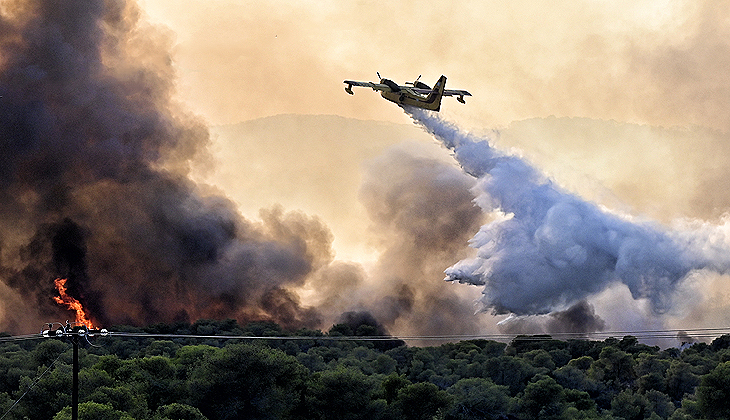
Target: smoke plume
581,318
422,212
94,187
548,249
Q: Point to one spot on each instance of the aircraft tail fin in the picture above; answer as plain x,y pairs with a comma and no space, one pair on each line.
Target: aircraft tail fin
433,100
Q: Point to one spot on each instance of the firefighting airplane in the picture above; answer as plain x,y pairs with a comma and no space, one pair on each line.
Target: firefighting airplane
418,94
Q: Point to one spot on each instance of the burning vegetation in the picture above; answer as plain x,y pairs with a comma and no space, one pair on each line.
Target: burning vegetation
82,317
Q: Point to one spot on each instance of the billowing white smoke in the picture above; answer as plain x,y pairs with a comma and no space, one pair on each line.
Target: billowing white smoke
547,249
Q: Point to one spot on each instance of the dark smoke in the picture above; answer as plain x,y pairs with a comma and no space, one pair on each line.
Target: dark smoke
362,323
685,338
580,318
94,161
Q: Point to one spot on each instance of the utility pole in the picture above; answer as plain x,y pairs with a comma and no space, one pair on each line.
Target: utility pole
75,334
75,380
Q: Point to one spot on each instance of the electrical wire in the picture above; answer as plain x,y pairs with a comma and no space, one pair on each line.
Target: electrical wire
32,385
679,334
20,337
642,334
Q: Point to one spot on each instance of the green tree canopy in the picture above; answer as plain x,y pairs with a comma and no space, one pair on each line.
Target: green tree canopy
247,381
478,398
713,394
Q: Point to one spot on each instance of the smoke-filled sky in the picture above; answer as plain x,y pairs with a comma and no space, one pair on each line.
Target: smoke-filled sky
649,61
186,159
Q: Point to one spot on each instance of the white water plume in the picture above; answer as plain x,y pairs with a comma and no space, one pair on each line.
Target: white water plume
548,249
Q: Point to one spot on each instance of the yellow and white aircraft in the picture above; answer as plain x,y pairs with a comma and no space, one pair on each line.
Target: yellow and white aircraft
418,94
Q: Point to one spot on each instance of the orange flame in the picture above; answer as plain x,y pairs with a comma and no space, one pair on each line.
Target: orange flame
72,304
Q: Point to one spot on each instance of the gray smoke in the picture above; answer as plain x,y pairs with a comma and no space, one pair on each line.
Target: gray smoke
548,249
94,187
95,158
685,338
581,318
422,212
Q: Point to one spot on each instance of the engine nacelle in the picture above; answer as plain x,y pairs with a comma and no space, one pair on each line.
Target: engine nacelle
391,84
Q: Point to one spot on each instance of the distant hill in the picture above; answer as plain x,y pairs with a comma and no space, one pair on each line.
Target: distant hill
311,163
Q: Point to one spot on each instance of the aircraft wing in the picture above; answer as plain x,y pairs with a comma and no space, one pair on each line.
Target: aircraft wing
454,92
374,86
447,92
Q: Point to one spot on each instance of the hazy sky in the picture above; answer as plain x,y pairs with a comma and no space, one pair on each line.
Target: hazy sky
648,61
644,83
658,65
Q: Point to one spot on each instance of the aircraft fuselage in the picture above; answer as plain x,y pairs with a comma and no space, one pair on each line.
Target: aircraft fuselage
405,96
413,99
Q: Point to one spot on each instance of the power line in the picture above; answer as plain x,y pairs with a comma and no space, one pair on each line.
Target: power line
641,334
32,385
597,335
20,337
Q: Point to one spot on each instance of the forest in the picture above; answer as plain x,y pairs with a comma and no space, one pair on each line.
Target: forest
342,374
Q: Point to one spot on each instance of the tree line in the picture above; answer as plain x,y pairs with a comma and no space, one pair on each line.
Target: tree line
315,377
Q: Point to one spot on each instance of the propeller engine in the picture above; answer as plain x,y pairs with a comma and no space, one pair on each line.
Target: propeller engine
418,84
